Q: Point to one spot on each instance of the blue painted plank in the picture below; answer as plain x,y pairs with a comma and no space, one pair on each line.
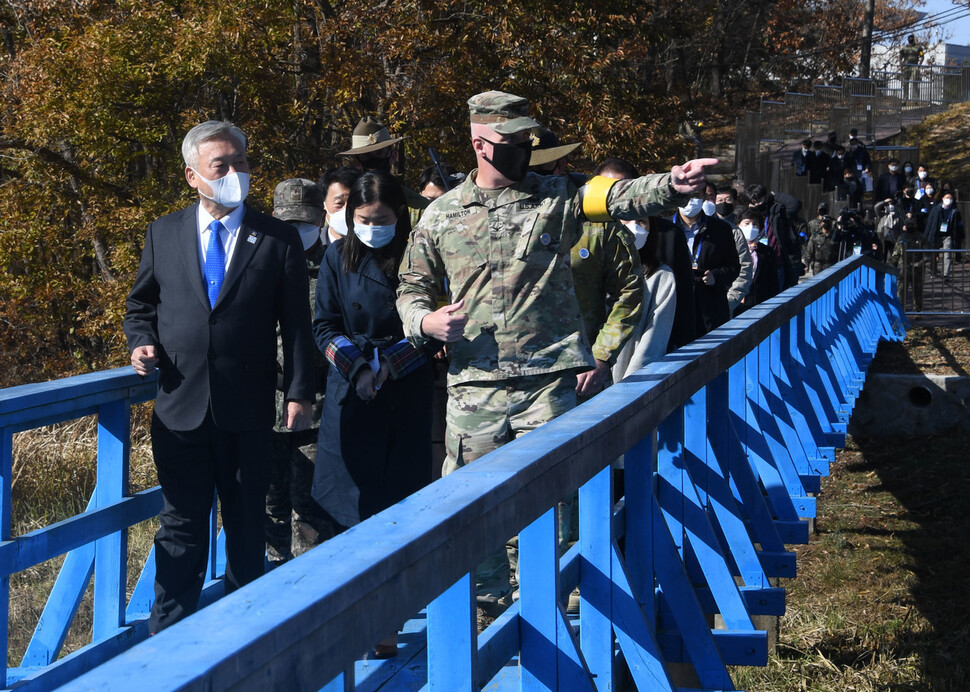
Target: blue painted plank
758,600
142,596
20,417
596,588
116,382
43,544
714,569
111,551
499,644
679,598
723,504
68,668
453,640
638,472
61,607
6,483
634,633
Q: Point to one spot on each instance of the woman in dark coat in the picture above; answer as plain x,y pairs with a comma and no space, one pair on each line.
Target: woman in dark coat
376,419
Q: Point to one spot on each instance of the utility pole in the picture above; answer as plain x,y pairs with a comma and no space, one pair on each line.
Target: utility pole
866,54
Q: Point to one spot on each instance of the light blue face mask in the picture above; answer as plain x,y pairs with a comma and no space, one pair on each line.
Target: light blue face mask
374,236
693,208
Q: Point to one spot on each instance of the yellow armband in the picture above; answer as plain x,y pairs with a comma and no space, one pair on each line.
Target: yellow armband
594,201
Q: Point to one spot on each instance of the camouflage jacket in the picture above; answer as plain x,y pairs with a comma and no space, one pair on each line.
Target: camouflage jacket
908,241
609,286
507,256
313,267
911,55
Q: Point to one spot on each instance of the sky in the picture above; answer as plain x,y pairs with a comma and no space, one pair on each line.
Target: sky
956,31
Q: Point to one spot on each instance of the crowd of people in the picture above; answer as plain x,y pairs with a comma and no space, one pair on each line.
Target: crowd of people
905,203
527,286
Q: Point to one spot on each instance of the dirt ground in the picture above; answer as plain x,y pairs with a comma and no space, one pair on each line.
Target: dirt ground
928,351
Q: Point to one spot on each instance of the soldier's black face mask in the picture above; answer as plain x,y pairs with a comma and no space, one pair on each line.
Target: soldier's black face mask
376,162
511,160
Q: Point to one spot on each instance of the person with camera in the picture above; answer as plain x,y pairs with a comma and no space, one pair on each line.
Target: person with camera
855,237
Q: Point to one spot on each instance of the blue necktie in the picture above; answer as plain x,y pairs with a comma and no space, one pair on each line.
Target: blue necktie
215,263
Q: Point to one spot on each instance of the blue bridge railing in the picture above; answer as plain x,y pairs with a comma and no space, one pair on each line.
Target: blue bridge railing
724,443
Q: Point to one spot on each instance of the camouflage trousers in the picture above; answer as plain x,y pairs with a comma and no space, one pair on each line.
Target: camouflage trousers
910,74
294,521
483,416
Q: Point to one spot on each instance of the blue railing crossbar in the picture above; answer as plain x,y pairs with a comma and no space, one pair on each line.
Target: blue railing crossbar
724,442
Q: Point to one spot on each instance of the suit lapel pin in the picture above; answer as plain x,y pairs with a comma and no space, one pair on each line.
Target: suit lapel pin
251,239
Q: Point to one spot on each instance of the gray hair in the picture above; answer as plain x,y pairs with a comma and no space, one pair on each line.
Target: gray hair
207,131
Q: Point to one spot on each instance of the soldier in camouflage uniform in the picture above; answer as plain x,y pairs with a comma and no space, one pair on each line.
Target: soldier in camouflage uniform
294,521
608,279
500,241
910,57
606,274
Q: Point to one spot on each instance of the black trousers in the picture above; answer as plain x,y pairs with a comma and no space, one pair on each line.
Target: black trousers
192,465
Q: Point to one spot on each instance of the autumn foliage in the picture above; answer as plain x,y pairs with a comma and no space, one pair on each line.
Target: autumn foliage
98,93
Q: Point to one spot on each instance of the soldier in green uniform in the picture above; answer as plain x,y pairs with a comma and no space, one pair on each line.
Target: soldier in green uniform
606,273
373,149
294,521
500,242
910,57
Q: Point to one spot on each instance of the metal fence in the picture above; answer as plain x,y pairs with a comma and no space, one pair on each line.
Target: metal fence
935,283
877,108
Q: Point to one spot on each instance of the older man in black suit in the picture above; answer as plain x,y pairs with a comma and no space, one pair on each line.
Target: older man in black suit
215,280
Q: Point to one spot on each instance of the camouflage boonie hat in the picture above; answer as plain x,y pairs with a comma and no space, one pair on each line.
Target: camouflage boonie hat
504,113
546,147
369,135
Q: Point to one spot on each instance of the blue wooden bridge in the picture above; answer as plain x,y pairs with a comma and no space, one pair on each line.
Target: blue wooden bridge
725,442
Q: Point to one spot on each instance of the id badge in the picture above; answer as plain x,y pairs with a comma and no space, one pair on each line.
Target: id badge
943,227
856,249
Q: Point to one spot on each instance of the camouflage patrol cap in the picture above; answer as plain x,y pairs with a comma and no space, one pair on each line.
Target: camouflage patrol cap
505,113
369,135
546,147
299,200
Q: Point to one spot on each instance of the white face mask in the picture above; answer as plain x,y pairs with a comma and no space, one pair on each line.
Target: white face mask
639,233
947,201
337,222
374,236
709,207
893,169
693,208
749,231
228,191
922,175
930,191
309,233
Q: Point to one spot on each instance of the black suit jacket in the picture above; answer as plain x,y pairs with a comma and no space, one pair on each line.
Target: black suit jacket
224,357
